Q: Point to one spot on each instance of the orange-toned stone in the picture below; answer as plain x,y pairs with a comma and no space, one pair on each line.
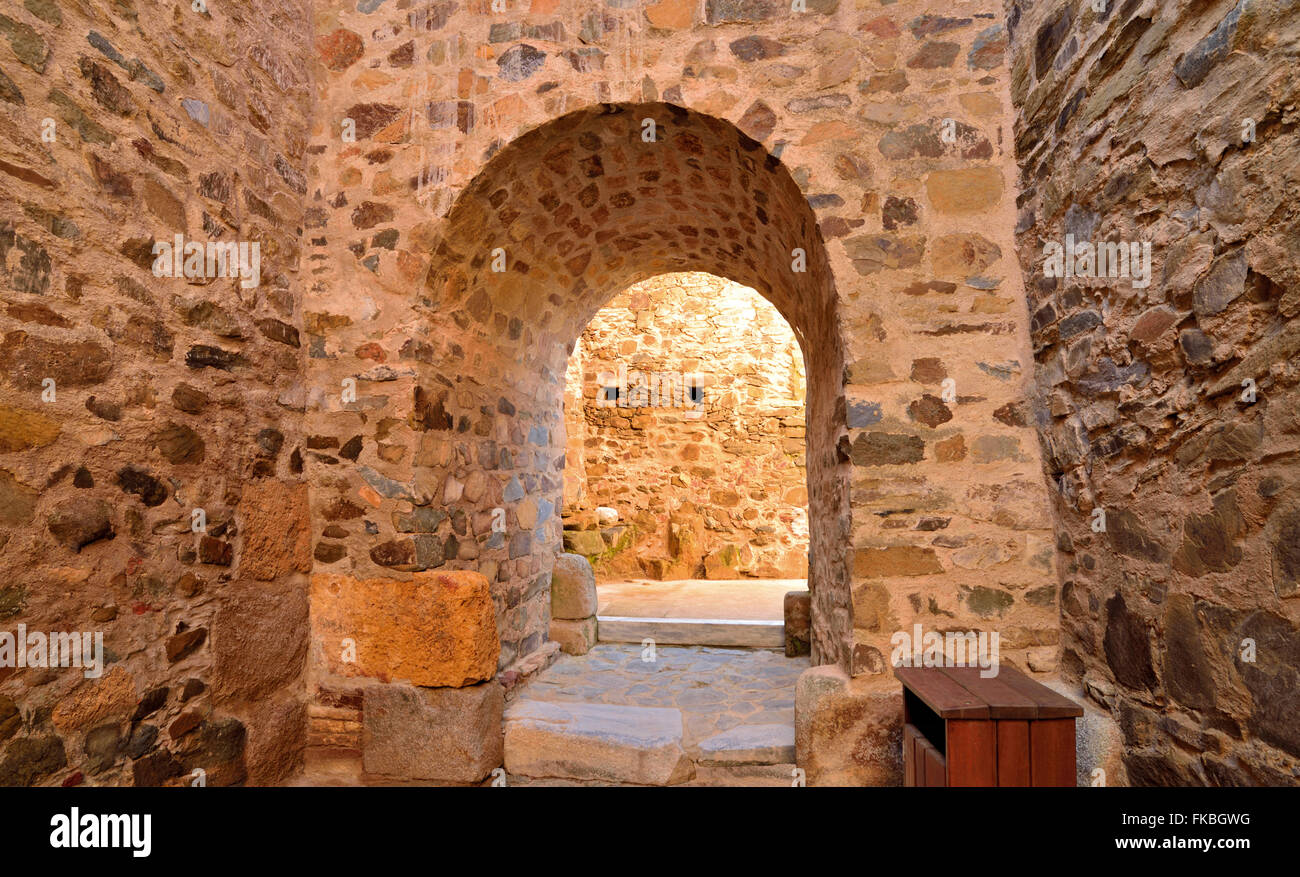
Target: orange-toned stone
94,700
896,560
980,104
20,429
965,190
950,450
435,629
833,130
369,80
508,111
410,266
396,132
672,14
277,530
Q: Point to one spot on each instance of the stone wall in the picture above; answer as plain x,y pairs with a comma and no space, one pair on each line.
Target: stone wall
1173,124
712,486
132,399
874,140
471,187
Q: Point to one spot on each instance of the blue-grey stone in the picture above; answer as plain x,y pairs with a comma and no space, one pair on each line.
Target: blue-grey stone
514,491
365,7
520,544
520,62
1108,377
197,110
1193,67
862,414
141,73
545,508
1003,371
420,520
816,202
385,486
984,282
1080,222
1080,322
105,47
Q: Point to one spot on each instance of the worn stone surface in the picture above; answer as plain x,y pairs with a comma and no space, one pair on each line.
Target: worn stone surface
436,629
716,690
638,745
277,540
667,462
133,399
824,132
797,613
750,744
575,636
848,732
449,735
1140,400
573,588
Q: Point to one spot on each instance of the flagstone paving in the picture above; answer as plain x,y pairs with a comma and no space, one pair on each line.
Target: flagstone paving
716,689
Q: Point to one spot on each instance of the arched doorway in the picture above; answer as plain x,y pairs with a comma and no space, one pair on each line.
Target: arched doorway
555,224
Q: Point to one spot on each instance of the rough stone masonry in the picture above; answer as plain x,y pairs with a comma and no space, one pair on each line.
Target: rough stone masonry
705,485
244,488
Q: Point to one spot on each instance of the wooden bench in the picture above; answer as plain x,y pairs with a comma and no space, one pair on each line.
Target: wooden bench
960,729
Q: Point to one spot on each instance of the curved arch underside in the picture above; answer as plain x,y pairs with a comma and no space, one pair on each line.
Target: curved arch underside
586,205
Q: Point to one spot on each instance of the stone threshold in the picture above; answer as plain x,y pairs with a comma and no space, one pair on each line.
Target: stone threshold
692,631
568,742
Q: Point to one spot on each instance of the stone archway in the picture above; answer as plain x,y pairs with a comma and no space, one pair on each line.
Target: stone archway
574,211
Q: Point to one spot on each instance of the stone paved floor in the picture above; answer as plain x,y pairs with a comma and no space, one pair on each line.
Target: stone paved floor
749,599
716,689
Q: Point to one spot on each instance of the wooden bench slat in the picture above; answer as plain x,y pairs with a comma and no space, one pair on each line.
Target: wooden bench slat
1004,701
941,694
1051,705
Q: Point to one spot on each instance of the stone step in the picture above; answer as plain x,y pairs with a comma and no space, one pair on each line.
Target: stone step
691,631
749,745
745,775
596,742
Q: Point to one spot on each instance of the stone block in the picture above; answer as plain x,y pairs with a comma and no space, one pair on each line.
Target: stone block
848,732
575,637
588,543
591,741
573,588
277,529
798,623
451,735
259,640
434,629
750,744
